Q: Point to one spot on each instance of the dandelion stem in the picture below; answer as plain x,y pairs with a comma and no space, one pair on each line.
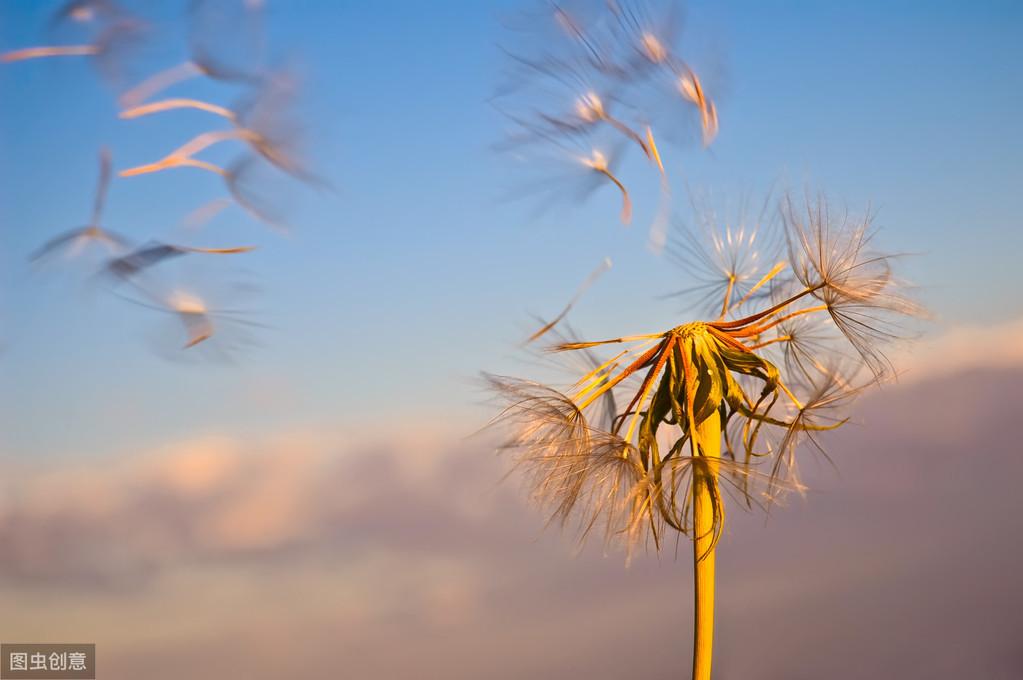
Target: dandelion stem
706,527
780,338
798,404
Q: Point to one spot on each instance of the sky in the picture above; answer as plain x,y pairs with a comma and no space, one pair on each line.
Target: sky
415,271
303,488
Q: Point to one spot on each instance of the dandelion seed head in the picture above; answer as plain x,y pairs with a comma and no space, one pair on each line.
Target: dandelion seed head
775,367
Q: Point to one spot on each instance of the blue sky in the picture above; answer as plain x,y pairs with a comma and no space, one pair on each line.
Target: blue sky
394,291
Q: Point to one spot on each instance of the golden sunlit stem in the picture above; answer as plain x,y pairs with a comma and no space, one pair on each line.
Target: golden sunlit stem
791,396
708,437
781,338
37,52
706,444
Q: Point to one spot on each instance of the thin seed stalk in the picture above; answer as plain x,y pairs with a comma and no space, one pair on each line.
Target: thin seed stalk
708,438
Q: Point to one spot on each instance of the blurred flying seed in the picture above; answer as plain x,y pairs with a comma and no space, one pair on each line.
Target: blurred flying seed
261,122
227,39
75,241
192,314
208,29
692,91
239,181
129,265
109,51
183,155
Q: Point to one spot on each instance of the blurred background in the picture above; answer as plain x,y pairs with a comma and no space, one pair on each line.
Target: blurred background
302,496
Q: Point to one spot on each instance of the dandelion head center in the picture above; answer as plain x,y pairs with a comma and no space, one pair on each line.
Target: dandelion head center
693,329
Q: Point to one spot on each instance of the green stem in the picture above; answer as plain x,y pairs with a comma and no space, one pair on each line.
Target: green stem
708,437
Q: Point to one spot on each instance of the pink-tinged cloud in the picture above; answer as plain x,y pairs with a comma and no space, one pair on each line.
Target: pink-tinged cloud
304,557
962,348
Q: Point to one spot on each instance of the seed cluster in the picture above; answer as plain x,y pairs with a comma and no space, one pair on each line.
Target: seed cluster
587,81
225,47
800,309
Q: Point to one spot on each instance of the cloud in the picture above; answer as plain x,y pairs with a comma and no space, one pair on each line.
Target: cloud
962,348
312,555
